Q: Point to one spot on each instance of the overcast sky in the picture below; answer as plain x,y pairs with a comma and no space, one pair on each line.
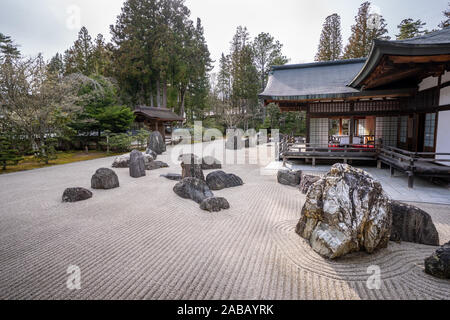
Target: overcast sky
50,26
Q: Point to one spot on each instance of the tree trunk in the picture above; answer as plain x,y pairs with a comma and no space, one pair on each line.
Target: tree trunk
183,99
151,94
164,102
158,94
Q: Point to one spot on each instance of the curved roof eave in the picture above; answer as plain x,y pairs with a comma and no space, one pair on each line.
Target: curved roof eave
381,48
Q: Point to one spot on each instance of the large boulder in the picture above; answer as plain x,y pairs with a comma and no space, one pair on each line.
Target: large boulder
219,180
105,179
289,177
194,189
307,181
211,163
157,143
76,194
124,160
137,164
214,204
191,167
346,211
156,165
438,265
411,224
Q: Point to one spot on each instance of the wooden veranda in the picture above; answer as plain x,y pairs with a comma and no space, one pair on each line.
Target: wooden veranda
413,164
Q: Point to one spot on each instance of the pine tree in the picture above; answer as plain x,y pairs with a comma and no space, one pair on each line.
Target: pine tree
409,28
446,22
330,46
79,58
56,65
8,155
367,28
8,49
267,52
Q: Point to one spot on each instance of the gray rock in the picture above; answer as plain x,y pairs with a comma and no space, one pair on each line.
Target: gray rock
151,153
289,177
105,179
76,194
235,141
137,164
346,211
214,204
306,182
211,163
194,189
411,224
157,143
172,176
219,180
156,165
438,265
124,160
192,167
189,158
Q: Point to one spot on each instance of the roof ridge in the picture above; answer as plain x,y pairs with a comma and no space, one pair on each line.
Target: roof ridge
318,64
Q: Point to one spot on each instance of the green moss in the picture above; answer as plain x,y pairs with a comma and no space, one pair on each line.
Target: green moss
30,162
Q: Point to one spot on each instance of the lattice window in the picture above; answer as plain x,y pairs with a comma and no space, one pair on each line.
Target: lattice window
387,130
404,129
430,130
319,131
362,127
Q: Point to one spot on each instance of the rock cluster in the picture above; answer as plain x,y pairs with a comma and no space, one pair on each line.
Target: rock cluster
219,180
76,194
438,265
194,189
346,211
123,161
289,177
411,224
192,167
155,165
215,204
211,163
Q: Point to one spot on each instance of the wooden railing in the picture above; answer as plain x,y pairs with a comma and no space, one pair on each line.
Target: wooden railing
414,163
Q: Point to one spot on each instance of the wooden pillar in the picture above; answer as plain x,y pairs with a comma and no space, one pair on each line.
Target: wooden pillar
352,129
308,126
340,126
410,179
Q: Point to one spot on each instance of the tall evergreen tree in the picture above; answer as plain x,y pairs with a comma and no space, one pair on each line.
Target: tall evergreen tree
330,46
409,28
158,52
56,65
368,27
8,49
78,59
267,52
446,22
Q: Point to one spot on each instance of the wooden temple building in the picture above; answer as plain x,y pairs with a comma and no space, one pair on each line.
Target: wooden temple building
156,119
393,106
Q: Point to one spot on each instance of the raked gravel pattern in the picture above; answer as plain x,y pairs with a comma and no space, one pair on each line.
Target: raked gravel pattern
141,241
